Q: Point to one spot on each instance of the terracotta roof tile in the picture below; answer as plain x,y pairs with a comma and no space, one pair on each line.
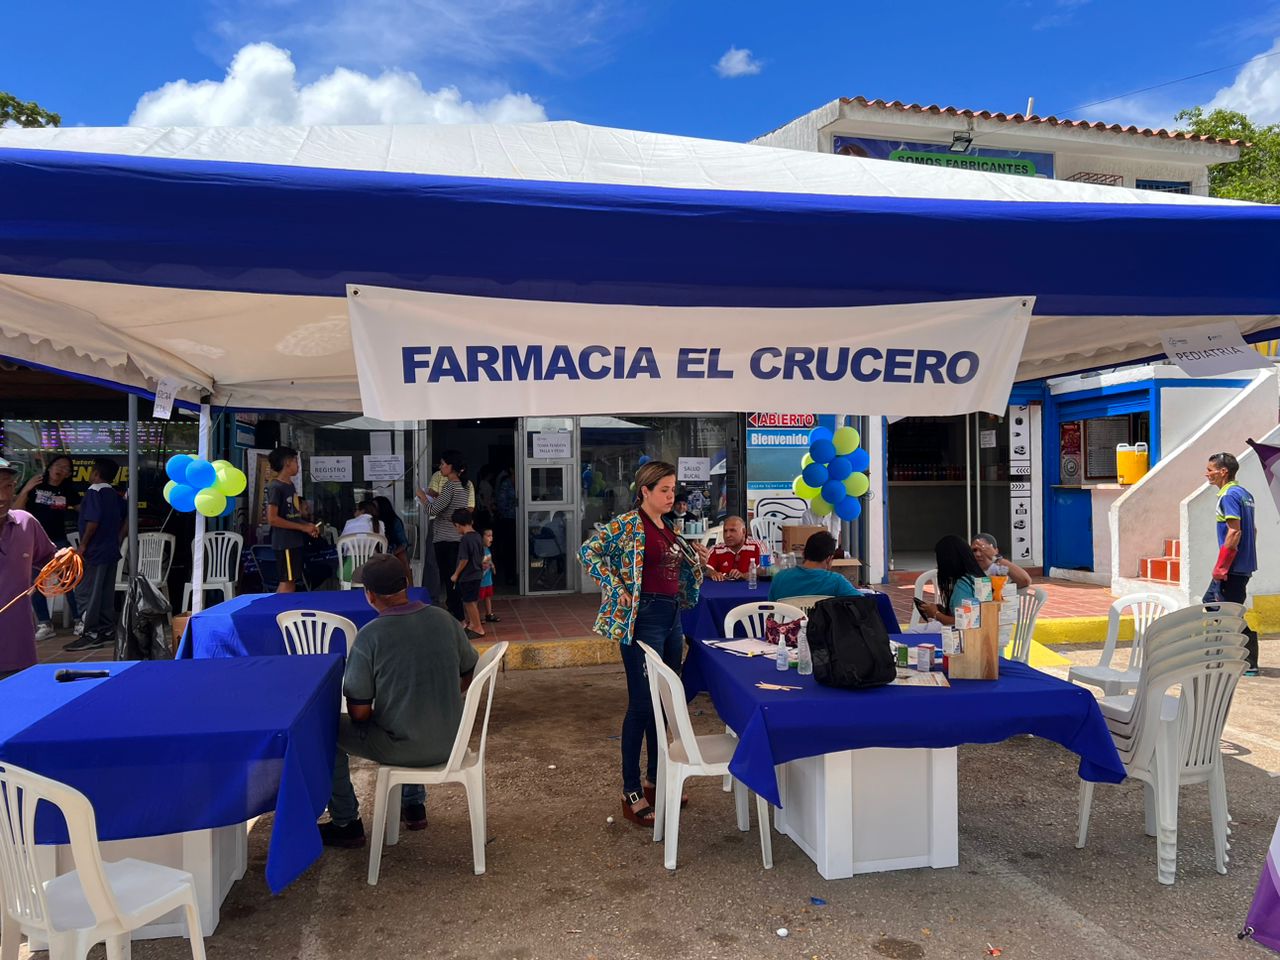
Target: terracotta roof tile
1034,118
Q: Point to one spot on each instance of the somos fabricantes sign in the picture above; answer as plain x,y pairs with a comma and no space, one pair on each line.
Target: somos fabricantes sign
421,355
989,160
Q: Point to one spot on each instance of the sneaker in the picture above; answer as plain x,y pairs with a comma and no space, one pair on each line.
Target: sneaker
80,626
348,835
45,632
87,641
1251,672
414,816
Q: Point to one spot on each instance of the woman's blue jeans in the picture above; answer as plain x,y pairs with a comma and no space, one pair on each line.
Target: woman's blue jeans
658,625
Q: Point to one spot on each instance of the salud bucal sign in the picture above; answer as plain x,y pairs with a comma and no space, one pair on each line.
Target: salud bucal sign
425,355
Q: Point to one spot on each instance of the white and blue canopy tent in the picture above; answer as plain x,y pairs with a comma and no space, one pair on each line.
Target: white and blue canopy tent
221,258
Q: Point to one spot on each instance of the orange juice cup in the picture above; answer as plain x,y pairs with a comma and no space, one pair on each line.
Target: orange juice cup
997,587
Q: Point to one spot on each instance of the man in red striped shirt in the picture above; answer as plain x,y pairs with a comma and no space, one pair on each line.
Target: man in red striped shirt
731,560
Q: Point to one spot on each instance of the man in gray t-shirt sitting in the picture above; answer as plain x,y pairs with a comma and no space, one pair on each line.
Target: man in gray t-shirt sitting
404,695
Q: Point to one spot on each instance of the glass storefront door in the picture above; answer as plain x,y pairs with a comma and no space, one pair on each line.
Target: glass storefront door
549,506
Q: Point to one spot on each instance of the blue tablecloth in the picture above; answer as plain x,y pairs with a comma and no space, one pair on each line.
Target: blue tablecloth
718,598
777,726
245,626
164,747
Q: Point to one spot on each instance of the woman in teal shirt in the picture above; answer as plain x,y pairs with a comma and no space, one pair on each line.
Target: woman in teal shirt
958,572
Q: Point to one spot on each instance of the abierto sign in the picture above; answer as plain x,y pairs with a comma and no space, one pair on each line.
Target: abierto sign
425,355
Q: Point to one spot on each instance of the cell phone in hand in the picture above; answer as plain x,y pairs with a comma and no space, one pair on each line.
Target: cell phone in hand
919,604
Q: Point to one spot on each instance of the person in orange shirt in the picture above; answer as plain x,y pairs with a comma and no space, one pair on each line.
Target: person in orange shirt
731,560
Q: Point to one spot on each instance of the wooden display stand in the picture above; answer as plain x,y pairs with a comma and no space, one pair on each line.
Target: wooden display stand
981,657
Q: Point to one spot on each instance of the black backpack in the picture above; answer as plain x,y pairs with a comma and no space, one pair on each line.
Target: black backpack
849,644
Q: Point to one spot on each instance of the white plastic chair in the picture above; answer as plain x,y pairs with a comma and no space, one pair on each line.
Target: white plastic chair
768,530
358,547
1029,603
928,578
97,902
752,616
1167,741
688,755
155,557
311,631
1146,608
221,564
710,538
805,603
464,766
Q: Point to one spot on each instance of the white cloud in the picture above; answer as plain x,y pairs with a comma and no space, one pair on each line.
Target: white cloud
737,63
445,34
261,89
1255,91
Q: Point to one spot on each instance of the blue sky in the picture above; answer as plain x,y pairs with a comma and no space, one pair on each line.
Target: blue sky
630,63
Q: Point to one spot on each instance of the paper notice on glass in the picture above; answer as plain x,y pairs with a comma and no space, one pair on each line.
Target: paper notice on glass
552,446
987,439
166,393
384,468
1211,349
693,469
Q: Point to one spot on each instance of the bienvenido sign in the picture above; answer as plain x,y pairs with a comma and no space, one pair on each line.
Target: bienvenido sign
422,355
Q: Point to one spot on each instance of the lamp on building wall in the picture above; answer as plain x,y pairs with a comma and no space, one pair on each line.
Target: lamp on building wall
961,140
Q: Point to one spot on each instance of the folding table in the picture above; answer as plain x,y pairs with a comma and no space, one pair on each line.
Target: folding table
177,756
865,780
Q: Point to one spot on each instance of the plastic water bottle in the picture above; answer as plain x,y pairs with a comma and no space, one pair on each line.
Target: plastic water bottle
804,661
783,659
753,576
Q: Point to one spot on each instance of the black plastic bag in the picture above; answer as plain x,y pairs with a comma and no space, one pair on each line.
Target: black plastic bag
144,630
849,644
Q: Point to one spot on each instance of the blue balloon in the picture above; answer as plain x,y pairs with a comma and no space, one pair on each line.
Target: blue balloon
201,474
229,509
850,508
839,468
815,474
819,433
822,451
644,458
182,498
860,460
176,468
833,492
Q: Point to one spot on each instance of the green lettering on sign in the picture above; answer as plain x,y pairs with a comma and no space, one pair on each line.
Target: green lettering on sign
960,161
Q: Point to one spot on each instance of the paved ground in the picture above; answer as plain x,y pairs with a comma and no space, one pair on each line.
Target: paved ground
563,883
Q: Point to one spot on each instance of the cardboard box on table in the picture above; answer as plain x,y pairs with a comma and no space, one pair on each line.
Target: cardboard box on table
981,657
796,535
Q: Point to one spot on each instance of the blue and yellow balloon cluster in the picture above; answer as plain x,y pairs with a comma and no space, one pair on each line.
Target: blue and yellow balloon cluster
208,488
833,474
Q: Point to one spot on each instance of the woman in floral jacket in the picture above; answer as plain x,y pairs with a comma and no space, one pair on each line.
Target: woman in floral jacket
647,574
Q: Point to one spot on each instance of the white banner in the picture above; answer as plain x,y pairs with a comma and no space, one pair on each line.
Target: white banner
437,356
1211,349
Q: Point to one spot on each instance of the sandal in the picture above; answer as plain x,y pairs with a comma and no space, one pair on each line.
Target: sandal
651,793
642,817
491,618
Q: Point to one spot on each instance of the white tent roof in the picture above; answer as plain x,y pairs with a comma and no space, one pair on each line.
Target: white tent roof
276,350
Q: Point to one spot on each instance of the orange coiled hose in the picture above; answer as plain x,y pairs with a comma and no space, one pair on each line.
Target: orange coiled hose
60,575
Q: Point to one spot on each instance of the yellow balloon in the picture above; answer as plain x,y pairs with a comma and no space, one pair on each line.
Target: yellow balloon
846,440
805,461
857,484
210,502
231,479
803,490
820,507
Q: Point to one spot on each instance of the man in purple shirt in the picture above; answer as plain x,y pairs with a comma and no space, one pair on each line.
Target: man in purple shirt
24,549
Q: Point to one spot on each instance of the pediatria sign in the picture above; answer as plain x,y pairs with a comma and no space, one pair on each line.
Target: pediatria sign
426,355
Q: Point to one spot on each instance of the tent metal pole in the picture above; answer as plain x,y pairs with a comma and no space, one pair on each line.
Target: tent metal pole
968,480
133,487
197,544
977,461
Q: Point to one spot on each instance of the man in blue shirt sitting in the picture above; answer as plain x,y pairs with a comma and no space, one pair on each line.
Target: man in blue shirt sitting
1237,543
813,578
